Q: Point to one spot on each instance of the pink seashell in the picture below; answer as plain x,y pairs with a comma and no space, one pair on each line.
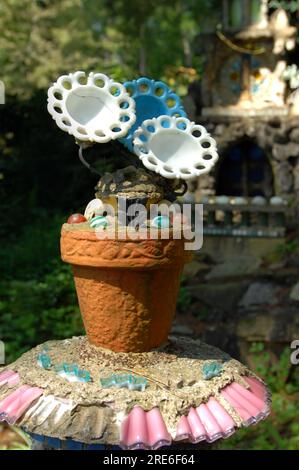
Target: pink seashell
144,430
4,376
252,409
224,420
242,412
198,432
15,410
183,429
252,398
213,430
209,421
257,387
13,380
136,428
11,397
157,431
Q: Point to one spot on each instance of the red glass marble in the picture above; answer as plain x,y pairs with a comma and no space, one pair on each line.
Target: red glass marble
76,219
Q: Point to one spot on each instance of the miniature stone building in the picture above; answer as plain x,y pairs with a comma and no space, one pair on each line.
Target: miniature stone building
245,104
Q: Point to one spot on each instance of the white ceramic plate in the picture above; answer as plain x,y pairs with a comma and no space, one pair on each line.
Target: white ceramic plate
91,108
175,147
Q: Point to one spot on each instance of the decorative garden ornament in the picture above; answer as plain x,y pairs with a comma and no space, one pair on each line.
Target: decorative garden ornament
127,288
92,108
175,147
153,99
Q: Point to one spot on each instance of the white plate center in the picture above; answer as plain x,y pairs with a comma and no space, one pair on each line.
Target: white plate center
92,108
174,148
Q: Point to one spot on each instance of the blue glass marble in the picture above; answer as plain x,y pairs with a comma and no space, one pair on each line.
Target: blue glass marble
44,361
211,370
152,98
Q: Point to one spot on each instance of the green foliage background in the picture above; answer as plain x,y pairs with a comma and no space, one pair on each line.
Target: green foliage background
41,179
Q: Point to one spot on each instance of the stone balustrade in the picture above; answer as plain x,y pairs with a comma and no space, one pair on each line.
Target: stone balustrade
251,218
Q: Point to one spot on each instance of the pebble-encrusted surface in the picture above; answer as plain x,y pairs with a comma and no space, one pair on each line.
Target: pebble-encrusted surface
174,374
132,182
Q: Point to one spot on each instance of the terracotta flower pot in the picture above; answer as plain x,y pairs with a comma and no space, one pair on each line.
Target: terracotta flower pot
127,289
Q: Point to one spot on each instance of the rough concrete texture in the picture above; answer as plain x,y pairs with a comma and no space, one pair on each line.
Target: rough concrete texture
90,413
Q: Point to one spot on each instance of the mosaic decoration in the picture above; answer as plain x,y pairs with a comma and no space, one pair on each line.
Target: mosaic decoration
72,373
256,75
9,378
130,381
211,370
233,76
207,422
14,405
44,361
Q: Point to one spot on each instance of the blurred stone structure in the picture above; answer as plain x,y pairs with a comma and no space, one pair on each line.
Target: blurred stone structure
245,103
243,284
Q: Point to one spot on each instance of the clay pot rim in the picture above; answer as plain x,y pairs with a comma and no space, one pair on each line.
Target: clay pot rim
90,234
83,248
